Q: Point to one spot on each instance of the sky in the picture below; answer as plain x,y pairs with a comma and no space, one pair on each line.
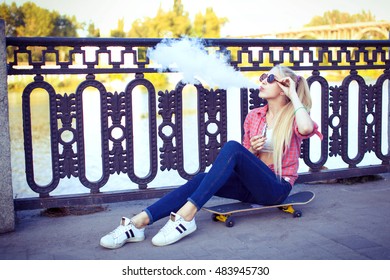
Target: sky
246,17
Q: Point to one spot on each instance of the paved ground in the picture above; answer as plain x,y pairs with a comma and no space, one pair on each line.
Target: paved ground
343,222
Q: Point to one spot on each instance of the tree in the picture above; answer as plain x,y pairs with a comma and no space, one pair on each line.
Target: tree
13,18
180,23
36,21
92,30
364,17
337,17
140,28
32,20
64,26
120,31
176,23
208,25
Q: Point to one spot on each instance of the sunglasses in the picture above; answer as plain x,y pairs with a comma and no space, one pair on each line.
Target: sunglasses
270,79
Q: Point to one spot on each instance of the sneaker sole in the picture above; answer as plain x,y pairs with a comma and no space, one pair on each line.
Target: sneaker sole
181,236
133,240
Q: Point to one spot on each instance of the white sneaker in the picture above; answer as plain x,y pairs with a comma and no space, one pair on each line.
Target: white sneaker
125,232
174,230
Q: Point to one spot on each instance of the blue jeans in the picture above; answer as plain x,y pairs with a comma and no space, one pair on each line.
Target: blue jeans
236,173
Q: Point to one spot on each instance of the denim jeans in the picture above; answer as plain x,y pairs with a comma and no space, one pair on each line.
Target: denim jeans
236,173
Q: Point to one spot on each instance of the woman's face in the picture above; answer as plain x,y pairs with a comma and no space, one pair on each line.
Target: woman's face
270,90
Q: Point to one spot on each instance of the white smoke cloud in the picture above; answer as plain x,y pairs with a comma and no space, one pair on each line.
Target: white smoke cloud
189,57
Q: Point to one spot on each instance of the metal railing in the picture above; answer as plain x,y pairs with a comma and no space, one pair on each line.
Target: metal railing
44,57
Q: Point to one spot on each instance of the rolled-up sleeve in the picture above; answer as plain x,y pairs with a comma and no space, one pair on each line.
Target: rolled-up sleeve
314,132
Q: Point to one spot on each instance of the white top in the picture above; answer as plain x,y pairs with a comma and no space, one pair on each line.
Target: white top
268,146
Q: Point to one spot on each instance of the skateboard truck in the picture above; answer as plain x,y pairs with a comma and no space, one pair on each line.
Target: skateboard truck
227,219
290,209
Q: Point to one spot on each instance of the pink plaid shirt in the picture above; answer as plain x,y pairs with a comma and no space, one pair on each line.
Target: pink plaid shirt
254,124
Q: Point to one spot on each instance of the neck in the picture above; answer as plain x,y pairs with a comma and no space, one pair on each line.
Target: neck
274,107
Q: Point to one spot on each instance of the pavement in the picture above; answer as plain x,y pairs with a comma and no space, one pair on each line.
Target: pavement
343,222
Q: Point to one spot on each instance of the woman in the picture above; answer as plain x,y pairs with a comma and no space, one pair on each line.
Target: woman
262,170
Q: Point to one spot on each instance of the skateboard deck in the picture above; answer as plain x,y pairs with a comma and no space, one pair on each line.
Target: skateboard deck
224,212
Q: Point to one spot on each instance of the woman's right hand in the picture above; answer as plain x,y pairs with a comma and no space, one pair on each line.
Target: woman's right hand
257,143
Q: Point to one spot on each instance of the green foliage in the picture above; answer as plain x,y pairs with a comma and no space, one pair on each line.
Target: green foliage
64,26
13,18
37,21
92,30
208,25
175,23
30,20
120,31
337,17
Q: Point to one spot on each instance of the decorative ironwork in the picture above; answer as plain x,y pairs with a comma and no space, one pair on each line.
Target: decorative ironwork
214,102
52,56
168,130
336,99
85,56
116,113
130,131
305,154
66,113
212,129
28,145
378,118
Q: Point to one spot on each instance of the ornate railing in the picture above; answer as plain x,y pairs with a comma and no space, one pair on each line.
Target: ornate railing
43,57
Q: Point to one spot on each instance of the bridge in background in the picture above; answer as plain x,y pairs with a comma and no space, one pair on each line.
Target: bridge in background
349,31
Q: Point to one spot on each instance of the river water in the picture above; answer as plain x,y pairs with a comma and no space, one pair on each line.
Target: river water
41,141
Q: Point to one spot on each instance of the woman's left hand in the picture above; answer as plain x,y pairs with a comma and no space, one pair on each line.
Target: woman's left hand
288,86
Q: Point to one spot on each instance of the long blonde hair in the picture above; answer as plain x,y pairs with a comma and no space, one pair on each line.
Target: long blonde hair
282,132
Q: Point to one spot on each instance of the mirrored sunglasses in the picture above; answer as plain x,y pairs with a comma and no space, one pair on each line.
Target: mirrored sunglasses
270,78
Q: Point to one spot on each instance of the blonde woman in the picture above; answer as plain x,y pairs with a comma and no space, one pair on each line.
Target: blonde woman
261,170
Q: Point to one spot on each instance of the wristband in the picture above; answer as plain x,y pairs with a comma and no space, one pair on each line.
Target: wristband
298,109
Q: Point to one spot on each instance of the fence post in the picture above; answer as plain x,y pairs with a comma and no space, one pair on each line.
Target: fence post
388,112
7,210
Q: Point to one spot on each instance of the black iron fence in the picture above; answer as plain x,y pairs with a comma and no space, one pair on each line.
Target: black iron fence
44,57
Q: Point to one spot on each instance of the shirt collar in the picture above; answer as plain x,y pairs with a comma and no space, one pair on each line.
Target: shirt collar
262,111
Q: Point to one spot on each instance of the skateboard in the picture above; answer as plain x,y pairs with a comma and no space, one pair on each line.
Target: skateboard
224,212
